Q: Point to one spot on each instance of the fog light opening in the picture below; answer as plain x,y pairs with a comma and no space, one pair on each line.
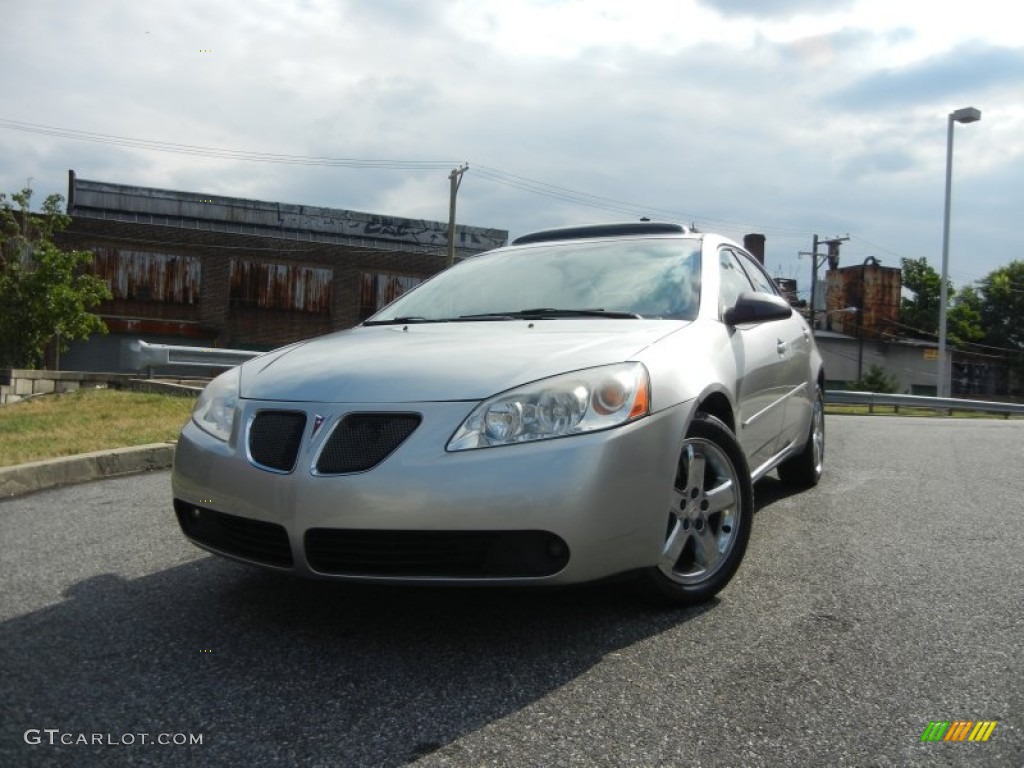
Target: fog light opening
556,549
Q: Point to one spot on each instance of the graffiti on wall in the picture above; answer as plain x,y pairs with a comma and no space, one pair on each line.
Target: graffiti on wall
425,232
264,285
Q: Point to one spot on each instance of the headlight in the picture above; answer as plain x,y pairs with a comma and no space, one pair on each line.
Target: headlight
583,401
215,410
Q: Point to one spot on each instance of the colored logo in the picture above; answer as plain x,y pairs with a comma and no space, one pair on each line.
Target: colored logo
959,730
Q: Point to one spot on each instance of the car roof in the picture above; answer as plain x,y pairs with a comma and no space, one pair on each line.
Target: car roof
603,230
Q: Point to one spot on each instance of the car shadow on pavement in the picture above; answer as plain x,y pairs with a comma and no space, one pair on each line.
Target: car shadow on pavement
769,490
271,668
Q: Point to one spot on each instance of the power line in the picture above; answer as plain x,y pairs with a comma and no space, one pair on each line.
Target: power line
487,173
608,203
221,152
1012,350
966,276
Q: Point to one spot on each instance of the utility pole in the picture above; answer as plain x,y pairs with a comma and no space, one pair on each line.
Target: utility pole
817,260
814,279
455,177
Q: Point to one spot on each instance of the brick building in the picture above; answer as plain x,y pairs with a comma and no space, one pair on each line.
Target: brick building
190,268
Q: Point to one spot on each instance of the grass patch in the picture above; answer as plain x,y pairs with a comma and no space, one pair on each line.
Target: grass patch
891,410
52,426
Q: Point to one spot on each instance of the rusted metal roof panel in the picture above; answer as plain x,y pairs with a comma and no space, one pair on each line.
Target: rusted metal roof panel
149,275
280,286
379,289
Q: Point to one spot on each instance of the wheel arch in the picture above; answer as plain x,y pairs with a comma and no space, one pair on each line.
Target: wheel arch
716,403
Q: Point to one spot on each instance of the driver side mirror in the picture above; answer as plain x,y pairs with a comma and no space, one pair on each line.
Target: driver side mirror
757,308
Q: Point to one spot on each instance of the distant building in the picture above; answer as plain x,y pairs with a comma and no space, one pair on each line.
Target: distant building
193,268
861,322
913,364
788,287
864,300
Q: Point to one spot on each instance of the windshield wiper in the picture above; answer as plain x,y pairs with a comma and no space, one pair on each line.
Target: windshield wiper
542,313
404,320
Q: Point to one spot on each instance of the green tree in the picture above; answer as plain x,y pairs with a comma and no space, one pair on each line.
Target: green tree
919,314
963,320
45,292
877,380
1002,306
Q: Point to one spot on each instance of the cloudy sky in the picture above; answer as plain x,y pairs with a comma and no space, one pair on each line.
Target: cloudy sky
785,117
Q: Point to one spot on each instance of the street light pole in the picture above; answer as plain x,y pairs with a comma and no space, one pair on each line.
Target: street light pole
965,115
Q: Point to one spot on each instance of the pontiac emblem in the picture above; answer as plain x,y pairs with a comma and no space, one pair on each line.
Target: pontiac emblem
318,421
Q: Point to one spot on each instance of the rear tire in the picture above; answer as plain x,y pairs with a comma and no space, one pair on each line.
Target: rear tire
709,520
804,469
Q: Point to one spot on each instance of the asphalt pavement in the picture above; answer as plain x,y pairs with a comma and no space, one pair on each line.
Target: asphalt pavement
888,597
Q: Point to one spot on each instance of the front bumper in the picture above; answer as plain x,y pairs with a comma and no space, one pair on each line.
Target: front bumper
603,497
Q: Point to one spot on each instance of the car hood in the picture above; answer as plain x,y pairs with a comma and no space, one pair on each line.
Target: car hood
442,361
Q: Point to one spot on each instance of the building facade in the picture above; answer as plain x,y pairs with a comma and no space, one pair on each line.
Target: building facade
192,268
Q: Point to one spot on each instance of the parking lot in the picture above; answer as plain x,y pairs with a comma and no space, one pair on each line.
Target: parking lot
888,597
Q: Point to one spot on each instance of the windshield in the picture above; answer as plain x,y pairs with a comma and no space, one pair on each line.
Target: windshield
650,278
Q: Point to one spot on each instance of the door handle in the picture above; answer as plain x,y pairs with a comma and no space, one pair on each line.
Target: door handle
781,347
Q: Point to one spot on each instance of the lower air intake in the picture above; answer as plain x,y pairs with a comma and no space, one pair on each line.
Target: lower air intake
435,554
242,537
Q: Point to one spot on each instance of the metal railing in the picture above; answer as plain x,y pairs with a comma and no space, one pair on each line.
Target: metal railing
142,356
950,404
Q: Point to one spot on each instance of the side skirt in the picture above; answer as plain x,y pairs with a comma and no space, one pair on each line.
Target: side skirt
775,460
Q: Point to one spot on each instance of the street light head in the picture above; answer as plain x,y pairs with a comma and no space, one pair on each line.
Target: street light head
966,115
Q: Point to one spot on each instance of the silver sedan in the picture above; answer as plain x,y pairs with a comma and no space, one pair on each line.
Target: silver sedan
582,404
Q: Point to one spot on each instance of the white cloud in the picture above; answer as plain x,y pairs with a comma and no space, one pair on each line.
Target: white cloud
791,117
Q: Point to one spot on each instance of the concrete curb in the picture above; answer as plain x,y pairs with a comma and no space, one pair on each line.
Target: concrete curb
156,386
38,475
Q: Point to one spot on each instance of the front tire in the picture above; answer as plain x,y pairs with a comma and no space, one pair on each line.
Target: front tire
709,520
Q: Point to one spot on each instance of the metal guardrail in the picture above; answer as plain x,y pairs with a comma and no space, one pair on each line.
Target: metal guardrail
871,399
142,356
